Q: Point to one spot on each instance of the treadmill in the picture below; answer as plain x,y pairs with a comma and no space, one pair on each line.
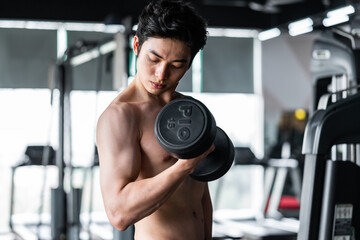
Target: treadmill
240,224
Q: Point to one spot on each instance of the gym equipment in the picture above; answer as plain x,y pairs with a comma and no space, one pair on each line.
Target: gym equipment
330,200
185,128
35,155
95,226
262,224
331,59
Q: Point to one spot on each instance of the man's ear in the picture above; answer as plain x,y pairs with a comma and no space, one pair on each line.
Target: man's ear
136,45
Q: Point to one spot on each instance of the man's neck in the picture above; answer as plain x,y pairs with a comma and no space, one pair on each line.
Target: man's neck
143,95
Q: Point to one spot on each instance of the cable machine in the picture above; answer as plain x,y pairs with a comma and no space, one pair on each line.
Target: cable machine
65,207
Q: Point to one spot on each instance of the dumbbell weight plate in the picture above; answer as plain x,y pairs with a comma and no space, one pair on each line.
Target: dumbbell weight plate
185,128
218,162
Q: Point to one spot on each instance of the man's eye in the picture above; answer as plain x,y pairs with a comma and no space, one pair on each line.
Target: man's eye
154,60
176,66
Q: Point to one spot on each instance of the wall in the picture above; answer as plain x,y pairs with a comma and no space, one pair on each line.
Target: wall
25,57
286,78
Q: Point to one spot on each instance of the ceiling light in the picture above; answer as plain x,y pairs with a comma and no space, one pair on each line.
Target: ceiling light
69,26
304,23
230,32
296,32
268,34
327,22
341,11
300,27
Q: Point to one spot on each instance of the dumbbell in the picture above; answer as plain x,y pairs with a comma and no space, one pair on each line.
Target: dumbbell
185,128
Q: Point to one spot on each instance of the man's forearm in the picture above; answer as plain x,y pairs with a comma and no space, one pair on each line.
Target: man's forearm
139,199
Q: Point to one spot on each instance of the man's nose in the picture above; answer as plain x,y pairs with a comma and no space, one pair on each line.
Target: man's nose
162,71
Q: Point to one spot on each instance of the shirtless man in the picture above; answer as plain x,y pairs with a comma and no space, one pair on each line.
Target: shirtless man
142,184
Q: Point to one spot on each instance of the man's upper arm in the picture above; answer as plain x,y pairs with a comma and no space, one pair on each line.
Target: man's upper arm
119,152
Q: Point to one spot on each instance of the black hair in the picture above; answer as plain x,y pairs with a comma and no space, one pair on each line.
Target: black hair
174,19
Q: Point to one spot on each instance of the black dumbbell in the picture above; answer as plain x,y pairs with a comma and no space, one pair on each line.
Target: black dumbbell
185,128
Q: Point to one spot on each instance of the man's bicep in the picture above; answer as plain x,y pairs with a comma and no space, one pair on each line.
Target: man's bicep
119,154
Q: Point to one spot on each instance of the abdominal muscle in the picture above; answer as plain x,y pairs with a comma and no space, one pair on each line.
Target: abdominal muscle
181,217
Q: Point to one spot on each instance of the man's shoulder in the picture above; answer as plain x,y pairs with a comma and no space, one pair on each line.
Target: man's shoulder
116,111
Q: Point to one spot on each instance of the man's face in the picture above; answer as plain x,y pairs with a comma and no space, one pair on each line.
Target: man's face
161,63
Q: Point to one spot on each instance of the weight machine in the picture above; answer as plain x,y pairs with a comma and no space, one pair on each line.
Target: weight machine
66,200
66,218
330,197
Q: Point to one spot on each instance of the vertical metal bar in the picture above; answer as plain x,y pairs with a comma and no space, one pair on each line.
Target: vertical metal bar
339,84
333,88
352,152
277,191
334,152
91,194
296,179
344,152
58,196
334,98
73,213
60,152
344,84
12,197
73,198
357,154
268,183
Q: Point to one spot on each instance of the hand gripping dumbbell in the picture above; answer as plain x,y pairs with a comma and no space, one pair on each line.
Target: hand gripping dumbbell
185,128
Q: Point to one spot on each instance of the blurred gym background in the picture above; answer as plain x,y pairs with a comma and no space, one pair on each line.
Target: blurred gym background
59,72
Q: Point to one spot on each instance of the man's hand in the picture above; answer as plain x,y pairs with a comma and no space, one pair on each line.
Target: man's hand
191,163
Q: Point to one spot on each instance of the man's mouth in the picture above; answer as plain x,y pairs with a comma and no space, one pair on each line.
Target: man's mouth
157,85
